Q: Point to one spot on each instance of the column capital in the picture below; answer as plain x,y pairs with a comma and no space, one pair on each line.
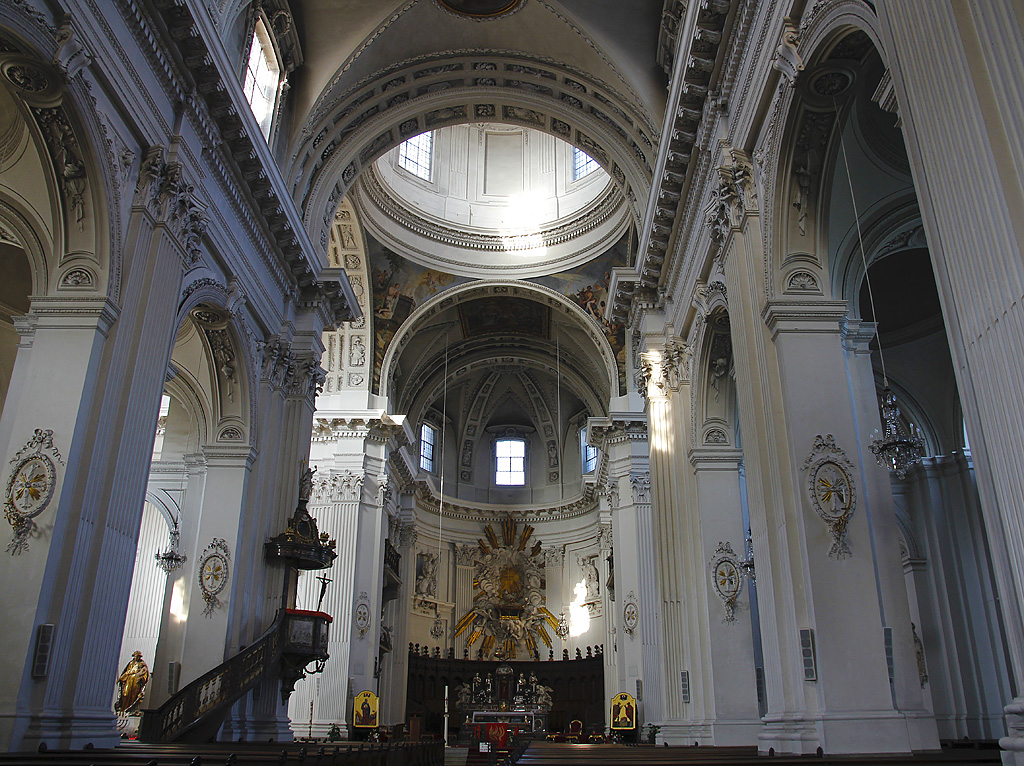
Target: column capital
465,555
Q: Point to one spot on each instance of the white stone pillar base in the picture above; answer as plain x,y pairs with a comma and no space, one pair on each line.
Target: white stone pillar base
62,732
685,734
1013,743
851,732
787,736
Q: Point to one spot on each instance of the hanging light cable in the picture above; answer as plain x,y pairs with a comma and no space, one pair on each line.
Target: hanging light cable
437,629
895,449
171,558
562,630
558,412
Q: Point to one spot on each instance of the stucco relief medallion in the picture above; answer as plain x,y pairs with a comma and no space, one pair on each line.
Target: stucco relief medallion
214,570
30,487
726,578
630,615
831,490
362,614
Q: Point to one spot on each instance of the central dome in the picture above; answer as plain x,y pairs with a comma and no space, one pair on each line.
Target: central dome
485,200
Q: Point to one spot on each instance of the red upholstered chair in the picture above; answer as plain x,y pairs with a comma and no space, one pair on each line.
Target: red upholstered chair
575,730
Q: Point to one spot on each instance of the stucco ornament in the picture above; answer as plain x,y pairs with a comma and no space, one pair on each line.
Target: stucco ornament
831,490
214,570
30,487
361,616
630,615
726,578
508,609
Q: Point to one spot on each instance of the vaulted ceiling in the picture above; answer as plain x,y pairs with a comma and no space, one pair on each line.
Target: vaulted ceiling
348,40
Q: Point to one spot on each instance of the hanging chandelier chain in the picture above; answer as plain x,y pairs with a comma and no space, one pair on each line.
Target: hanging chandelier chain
894,449
863,256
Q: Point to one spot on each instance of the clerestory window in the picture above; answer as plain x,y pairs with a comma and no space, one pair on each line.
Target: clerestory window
510,462
582,164
428,438
262,78
588,454
415,154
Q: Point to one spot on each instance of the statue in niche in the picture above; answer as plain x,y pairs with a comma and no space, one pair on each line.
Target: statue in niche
800,196
464,697
306,484
131,685
922,669
543,697
348,240
426,583
357,352
591,578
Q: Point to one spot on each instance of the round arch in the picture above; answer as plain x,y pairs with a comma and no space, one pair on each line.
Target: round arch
457,87
804,151
506,288
78,167
230,391
887,229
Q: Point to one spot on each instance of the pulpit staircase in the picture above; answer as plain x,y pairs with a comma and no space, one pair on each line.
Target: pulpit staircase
296,638
196,712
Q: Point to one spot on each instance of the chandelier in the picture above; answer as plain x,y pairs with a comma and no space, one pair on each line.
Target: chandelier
562,631
896,449
170,559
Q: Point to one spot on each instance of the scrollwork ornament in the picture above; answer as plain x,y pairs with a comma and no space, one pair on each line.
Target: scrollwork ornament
630,615
726,578
831,490
30,487
362,614
214,571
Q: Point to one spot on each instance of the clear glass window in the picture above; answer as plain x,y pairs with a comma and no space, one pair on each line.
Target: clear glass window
588,454
262,78
582,164
414,155
510,464
428,435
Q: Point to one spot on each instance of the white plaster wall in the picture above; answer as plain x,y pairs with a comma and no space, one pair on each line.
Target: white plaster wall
142,624
489,176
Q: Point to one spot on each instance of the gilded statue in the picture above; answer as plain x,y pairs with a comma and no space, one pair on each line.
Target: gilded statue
131,685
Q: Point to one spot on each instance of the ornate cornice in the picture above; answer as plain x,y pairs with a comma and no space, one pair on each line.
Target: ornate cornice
616,431
608,205
459,86
427,502
686,112
256,171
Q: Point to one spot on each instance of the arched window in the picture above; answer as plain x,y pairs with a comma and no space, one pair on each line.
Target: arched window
510,462
262,77
415,155
428,439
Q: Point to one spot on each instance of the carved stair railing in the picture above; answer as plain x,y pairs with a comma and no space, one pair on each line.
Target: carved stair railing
196,712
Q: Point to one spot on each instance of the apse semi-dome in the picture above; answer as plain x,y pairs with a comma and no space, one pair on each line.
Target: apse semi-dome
486,200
